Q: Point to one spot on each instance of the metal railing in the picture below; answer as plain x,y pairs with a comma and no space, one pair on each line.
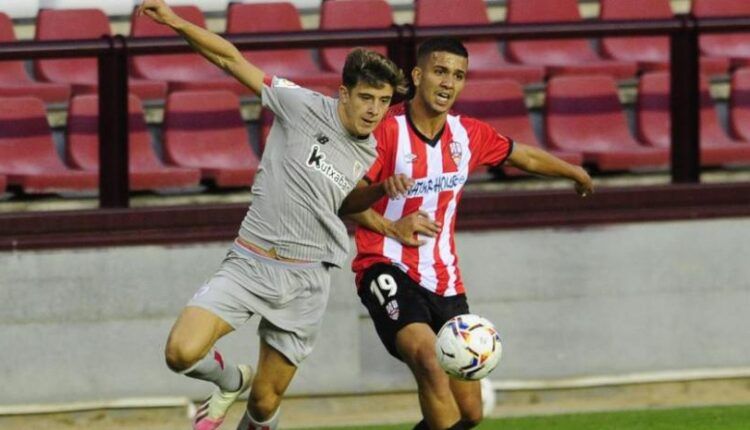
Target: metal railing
113,53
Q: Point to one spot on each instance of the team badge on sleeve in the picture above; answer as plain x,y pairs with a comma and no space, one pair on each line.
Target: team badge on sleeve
392,309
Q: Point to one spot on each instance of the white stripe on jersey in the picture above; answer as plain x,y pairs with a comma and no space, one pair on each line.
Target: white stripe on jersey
395,208
426,268
460,136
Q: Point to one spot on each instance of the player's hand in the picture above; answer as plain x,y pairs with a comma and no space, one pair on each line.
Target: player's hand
397,185
584,184
156,10
406,229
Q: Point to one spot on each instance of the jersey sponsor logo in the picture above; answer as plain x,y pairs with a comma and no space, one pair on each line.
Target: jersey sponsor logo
436,184
316,161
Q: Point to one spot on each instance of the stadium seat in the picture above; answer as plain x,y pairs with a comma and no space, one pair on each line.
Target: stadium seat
486,61
501,104
654,122
146,171
649,52
560,56
735,46
187,71
294,64
583,114
347,15
14,81
82,73
204,130
28,157
739,104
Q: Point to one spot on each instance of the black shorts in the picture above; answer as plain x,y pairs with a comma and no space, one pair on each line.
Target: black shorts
394,300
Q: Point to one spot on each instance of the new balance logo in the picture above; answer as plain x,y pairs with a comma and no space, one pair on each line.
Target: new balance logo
322,138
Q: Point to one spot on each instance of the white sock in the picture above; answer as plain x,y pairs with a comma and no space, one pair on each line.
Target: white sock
249,423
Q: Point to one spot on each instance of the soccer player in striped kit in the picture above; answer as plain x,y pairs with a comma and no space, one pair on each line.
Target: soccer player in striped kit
317,151
411,291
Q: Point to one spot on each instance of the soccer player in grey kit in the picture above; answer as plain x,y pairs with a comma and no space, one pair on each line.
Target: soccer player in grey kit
317,151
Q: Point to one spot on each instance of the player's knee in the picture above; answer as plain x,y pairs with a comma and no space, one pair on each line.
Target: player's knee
472,417
181,355
426,362
263,402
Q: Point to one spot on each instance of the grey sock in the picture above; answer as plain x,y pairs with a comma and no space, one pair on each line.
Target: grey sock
250,423
212,368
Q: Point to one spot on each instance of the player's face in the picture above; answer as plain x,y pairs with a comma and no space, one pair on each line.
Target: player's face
364,106
439,80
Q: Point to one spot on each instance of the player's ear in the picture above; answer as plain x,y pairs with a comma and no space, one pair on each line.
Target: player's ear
343,94
416,75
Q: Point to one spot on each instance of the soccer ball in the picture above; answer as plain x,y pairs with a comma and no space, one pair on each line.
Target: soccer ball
468,347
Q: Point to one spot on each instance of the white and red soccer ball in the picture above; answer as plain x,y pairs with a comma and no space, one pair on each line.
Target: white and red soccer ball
468,347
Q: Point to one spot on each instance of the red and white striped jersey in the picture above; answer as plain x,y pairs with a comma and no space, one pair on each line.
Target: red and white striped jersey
439,168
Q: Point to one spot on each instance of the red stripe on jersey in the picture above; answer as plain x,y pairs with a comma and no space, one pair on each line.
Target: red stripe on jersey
459,280
444,198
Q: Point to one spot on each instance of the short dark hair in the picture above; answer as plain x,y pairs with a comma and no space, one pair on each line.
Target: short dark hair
441,44
372,68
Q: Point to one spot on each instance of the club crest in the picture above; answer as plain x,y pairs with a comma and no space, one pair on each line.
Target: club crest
392,309
456,151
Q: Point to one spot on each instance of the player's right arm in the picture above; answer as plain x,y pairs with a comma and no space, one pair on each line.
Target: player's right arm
213,47
404,230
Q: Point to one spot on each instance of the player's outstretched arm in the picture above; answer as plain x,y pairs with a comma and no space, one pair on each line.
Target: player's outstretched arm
404,230
210,45
535,160
365,195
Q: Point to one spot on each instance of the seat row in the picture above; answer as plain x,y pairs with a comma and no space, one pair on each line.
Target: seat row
525,61
203,136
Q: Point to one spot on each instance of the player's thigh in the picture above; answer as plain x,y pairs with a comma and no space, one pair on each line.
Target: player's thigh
196,330
275,371
393,303
468,395
415,344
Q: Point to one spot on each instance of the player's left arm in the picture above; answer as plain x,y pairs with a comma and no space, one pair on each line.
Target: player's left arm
535,160
366,194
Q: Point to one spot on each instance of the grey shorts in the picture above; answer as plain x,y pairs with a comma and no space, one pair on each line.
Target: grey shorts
289,297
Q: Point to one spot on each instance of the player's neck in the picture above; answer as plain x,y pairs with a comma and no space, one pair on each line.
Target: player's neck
427,122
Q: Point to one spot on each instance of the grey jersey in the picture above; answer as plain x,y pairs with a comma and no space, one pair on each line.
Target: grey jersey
310,163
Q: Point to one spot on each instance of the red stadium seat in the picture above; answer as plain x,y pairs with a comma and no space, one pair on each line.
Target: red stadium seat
486,61
146,171
347,15
27,153
204,130
583,114
182,71
560,56
294,64
501,104
13,78
81,73
739,104
650,52
735,46
654,123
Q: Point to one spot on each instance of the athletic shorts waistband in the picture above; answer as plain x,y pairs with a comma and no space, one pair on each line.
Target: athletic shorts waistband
247,252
